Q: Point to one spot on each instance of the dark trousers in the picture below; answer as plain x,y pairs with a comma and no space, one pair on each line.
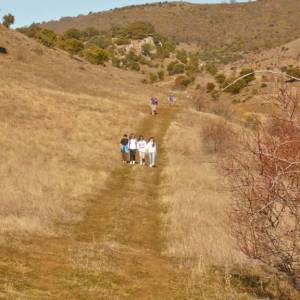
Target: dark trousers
132,154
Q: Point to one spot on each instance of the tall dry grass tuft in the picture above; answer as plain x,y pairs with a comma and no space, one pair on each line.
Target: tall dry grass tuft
196,221
59,132
197,200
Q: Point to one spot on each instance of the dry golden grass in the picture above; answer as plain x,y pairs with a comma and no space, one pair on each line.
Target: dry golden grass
196,223
60,124
196,196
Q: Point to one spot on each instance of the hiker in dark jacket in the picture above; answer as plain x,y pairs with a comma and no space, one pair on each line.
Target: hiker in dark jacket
124,148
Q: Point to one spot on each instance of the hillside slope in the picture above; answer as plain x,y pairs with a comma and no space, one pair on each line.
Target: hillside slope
61,119
244,26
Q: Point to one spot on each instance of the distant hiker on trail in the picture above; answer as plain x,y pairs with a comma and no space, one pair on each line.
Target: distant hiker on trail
132,148
124,148
152,152
171,100
153,104
142,148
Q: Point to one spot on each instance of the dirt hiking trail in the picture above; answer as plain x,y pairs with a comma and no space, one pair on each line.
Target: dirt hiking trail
115,252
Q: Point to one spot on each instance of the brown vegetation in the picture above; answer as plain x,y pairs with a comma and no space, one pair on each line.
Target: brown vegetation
264,177
219,135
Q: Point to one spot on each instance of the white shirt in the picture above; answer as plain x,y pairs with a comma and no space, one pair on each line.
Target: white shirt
132,144
151,148
142,146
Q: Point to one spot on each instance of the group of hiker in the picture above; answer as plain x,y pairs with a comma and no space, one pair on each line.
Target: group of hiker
131,146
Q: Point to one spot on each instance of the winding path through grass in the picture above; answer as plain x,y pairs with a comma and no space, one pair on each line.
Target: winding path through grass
115,252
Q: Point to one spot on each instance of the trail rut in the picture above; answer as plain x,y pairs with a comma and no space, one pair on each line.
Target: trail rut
115,252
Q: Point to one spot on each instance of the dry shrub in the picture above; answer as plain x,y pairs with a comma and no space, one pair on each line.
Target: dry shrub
222,109
218,135
265,181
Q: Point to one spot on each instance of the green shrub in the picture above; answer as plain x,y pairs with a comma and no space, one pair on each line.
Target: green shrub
72,33
73,46
161,75
136,30
96,55
237,87
122,41
182,56
30,31
293,71
116,62
284,69
100,41
89,33
250,77
210,87
153,77
8,20
211,68
147,49
175,68
131,61
182,82
47,37
164,46
134,66
193,65
263,85
220,78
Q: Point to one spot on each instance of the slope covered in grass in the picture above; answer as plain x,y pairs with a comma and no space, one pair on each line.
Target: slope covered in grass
60,119
233,27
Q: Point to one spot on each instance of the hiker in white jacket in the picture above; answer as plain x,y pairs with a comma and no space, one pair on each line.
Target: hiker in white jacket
132,145
152,152
142,148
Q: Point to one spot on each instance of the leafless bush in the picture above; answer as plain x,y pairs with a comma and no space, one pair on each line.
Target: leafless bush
265,181
218,134
222,109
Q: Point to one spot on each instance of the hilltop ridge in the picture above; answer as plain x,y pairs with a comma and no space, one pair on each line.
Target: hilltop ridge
241,26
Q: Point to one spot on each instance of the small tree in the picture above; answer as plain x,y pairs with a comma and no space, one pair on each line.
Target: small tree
182,56
210,87
8,20
96,55
147,49
182,82
47,37
153,77
72,33
101,41
161,75
175,68
264,176
211,68
218,134
89,33
73,46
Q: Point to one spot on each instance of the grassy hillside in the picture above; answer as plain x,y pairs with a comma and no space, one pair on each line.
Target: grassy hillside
233,27
75,223
61,119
